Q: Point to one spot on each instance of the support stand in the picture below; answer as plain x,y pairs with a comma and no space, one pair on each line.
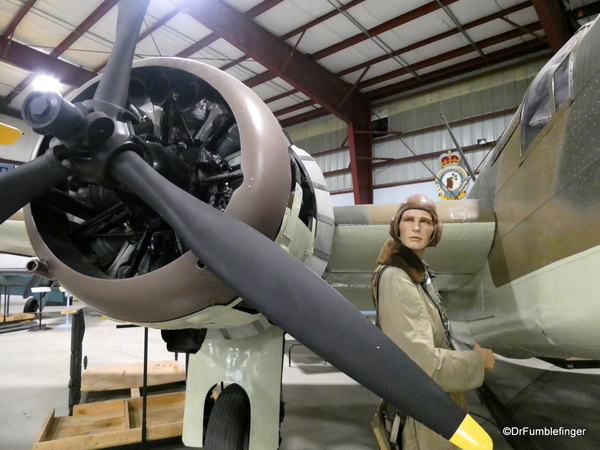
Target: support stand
255,363
145,391
77,333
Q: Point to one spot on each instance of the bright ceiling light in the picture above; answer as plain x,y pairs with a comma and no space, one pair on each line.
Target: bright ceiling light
46,83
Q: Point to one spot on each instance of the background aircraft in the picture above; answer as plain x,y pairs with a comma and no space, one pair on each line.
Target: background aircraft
125,202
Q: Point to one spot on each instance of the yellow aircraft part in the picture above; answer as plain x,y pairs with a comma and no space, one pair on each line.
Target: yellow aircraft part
470,436
8,134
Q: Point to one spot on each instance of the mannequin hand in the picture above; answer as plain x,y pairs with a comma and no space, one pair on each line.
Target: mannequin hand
489,360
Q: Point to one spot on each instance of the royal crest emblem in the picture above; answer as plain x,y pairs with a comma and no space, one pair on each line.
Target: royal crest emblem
452,180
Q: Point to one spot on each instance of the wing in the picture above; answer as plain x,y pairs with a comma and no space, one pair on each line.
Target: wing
360,232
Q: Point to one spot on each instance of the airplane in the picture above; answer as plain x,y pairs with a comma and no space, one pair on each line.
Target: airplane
166,194
515,266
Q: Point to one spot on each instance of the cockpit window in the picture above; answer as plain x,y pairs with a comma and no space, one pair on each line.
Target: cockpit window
537,110
561,85
550,89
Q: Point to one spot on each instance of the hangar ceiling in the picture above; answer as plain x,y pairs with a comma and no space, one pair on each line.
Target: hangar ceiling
304,58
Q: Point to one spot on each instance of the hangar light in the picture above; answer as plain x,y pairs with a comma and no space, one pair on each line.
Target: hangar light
46,83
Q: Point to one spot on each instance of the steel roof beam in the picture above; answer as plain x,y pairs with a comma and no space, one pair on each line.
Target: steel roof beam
412,47
431,77
16,20
382,28
280,58
438,37
360,37
516,32
465,50
206,41
26,58
299,70
516,51
302,29
555,21
96,15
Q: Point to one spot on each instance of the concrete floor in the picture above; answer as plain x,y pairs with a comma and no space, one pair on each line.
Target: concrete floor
324,408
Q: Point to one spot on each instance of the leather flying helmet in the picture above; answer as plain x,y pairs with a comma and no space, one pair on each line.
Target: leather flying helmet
424,203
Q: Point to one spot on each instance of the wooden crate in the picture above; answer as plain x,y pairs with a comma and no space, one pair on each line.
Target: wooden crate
112,423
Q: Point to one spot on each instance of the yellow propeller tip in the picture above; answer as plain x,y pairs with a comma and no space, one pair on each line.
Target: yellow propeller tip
8,134
470,436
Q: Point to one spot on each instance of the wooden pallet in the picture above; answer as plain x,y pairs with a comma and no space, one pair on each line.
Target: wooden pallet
17,317
130,376
112,423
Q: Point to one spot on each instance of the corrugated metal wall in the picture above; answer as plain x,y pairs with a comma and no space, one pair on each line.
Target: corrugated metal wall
482,107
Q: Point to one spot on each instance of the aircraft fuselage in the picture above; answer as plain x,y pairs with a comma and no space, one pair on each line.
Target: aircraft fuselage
537,294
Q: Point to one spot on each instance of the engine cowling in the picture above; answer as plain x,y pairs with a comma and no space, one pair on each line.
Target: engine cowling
213,137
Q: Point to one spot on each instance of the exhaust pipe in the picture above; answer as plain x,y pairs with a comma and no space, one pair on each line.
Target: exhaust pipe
40,268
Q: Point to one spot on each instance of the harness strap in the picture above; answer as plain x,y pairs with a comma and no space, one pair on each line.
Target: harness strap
375,290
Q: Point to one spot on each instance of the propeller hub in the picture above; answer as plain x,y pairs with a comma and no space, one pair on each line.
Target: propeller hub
100,128
50,113
40,107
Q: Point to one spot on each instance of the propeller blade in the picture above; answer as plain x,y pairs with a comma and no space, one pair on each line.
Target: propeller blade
112,88
300,302
22,184
51,114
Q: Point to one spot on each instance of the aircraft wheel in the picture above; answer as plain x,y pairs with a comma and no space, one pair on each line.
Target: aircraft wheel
229,422
31,305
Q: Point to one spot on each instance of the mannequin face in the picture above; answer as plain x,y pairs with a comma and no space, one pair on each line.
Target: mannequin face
416,228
